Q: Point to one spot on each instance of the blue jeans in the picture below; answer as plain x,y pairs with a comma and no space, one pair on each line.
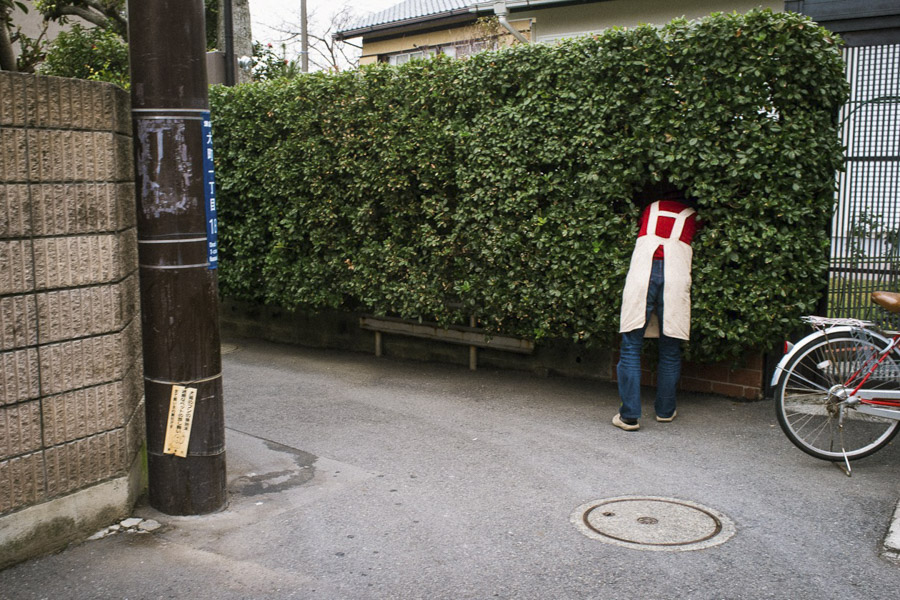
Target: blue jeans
628,370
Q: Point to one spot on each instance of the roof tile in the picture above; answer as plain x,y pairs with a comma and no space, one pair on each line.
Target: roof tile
410,9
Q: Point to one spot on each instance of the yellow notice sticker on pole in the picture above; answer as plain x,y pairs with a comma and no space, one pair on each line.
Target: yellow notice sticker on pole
181,417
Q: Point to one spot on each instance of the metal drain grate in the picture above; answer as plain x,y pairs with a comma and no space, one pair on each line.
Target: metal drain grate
651,523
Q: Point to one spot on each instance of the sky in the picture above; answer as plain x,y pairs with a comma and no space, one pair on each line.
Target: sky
265,14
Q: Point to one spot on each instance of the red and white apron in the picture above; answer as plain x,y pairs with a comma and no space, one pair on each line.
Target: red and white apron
677,269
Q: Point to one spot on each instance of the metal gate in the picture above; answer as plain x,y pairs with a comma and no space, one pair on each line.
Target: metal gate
865,249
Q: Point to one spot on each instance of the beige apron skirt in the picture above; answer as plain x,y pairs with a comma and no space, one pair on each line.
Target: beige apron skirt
677,289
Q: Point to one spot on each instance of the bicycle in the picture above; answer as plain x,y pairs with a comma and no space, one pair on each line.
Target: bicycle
837,391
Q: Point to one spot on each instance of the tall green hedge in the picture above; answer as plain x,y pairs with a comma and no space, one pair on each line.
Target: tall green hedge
502,186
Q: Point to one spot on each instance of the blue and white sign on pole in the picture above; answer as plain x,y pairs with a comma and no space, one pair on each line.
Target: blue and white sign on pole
209,192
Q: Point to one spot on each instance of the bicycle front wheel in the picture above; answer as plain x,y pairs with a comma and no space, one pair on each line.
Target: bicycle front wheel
815,419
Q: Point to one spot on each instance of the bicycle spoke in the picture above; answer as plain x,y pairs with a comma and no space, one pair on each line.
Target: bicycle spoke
808,410
812,384
816,431
801,394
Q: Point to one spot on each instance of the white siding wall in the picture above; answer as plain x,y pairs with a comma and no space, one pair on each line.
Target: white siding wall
570,21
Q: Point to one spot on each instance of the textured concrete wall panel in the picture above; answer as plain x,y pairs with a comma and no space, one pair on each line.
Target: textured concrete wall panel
12,101
13,156
15,211
119,103
126,250
63,93
81,363
54,155
21,481
124,159
20,429
83,462
55,207
84,412
71,387
32,104
35,150
53,103
135,429
127,207
76,261
78,208
100,107
39,97
101,155
17,322
82,105
17,274
129,297
130,350
79,168
81,312
19,376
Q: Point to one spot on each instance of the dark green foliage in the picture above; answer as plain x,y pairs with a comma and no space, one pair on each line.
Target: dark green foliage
502,186
211,10
88,53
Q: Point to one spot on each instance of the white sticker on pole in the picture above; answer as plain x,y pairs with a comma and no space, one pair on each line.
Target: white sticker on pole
181,417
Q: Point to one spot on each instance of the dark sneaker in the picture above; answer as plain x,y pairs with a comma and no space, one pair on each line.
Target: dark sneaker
626,424
666,419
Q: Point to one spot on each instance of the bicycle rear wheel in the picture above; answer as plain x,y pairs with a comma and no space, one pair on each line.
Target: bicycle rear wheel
813,418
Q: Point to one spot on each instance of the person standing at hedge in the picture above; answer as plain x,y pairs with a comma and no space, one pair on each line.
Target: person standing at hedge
656,302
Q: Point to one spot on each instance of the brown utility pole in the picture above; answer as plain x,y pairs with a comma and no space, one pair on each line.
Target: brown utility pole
176,218
229,42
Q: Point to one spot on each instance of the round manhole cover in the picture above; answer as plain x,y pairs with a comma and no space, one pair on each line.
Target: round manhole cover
649,523
228,348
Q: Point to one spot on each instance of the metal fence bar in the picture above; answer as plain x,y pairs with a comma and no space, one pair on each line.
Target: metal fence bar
865,254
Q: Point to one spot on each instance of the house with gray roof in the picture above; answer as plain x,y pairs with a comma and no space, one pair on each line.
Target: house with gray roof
420,28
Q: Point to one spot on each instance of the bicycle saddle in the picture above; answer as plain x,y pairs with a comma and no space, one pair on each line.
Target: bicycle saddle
887,300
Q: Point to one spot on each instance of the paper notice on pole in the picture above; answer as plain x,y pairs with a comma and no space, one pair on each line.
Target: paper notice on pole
181,417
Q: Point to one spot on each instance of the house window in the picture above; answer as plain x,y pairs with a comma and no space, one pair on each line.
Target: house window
453,50
468,48
404,57
559,37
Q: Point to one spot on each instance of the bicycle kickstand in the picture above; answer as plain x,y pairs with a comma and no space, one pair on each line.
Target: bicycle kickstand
846,466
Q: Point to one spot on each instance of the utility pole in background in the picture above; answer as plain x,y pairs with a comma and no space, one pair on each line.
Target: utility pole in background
304,39
235,39
228,40
176,218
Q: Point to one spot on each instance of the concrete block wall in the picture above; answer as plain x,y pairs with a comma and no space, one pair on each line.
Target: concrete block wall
71,397
741,379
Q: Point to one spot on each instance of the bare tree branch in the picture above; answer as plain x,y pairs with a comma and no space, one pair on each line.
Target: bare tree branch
88,15
102,13
324,51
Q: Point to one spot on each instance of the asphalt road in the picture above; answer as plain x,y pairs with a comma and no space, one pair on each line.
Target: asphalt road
355,477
